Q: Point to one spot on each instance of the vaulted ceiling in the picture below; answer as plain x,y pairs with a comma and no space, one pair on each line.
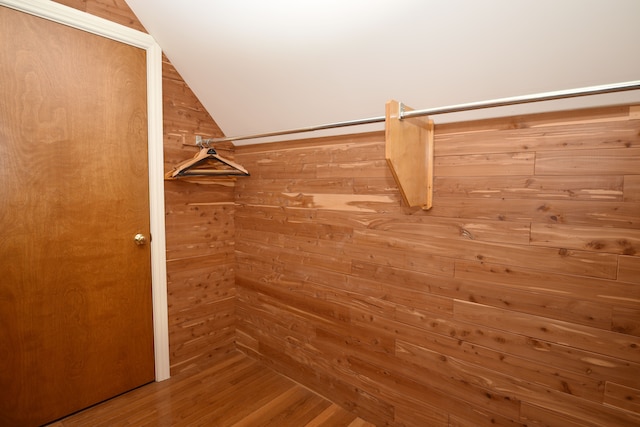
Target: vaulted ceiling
260,66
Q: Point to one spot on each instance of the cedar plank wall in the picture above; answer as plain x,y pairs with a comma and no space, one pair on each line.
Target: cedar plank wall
199,220
514,301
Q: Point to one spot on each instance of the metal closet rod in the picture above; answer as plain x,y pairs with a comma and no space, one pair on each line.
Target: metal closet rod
502,102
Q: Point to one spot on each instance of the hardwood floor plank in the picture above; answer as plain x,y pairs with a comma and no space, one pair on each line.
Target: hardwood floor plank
331,416
233,390
289,407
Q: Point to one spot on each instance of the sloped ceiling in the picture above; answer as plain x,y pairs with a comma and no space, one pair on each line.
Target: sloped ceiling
260,66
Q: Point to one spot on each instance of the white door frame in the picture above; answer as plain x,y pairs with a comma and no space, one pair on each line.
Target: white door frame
74,18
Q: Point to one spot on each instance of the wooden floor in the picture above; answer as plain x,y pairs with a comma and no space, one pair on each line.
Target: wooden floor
234,391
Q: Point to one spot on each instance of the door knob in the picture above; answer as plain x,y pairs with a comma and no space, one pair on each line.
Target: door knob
140,239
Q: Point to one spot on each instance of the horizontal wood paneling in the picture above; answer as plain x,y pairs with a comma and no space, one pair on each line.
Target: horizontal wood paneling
622,397
200,236
200,271
625,320
617,215
628,269
598,239
513,301
596,340
632,188
538,281
585,187
556,259
607,128
620,161
500,164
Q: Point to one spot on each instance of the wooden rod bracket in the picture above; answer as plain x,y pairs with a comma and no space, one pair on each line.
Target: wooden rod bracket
409,154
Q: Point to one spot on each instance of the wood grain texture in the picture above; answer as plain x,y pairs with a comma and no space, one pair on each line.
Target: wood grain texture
199,219
232,391
485,165
586,187
409,154
113,10
338,282
513,301
75,295
629,269
632,188
610,161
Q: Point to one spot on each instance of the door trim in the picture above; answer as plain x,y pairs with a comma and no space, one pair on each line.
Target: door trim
83,21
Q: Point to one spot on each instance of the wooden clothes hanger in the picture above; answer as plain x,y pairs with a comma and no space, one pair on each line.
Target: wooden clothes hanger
206,155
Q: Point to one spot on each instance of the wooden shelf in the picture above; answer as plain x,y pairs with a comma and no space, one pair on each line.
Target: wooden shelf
409,154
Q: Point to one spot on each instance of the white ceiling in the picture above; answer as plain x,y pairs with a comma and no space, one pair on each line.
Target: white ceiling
260,66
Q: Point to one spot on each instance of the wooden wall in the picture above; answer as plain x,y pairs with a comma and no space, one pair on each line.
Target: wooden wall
199,219
514,301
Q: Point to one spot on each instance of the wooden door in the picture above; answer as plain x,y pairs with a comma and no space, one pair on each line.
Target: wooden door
75,290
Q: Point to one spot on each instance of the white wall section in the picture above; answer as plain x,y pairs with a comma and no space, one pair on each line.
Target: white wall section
264,66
